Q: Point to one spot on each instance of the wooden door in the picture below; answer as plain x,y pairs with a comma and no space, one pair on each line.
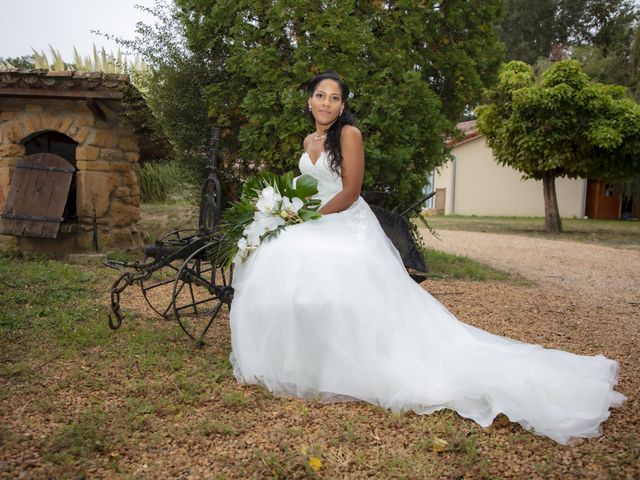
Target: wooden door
36,199
441,197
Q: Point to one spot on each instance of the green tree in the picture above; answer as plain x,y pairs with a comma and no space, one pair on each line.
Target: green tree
25,61
618,66
412,66
561,126
551,29
173,86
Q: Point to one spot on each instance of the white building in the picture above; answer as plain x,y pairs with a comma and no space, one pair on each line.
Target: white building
474,184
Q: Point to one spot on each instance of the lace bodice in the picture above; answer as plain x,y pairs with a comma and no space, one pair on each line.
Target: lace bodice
329,183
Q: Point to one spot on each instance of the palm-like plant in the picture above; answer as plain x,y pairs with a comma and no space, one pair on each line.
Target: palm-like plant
99,61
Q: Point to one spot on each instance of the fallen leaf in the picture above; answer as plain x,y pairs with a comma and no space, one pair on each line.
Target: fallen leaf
315,463
438,444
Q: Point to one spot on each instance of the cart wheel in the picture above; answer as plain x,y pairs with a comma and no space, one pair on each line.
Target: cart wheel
157,288
200,290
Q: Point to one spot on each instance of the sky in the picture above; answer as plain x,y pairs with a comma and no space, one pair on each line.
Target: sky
66,23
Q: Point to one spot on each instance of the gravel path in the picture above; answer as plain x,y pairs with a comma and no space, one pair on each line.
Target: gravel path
584,271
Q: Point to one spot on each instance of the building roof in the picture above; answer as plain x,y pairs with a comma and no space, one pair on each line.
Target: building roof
468,131
68,84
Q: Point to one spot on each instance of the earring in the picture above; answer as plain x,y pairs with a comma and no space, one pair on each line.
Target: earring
310,108
340,113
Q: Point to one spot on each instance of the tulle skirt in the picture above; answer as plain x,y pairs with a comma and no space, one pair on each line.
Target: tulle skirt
327,310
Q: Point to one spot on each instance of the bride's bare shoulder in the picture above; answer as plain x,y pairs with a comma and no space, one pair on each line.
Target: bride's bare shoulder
350,134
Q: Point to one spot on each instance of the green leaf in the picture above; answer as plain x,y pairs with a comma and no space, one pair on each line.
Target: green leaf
306,214
306,186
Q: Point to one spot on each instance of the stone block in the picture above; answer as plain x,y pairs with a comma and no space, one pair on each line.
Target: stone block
81,134
120,166
123,214
130,178
66,123
120,237
4,116
12,150
17,132
47,119
110,154
96,165
31,122
132,156
95,188
85,120
87,153
32,107
128,144
9,162
104,138
122,193
51,122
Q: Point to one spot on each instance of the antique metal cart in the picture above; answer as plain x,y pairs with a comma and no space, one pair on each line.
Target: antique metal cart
180,278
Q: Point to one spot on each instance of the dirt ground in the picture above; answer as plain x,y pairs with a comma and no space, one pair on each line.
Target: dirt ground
601,275
583,299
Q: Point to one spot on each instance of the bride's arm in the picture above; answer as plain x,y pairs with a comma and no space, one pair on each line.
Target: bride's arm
352,171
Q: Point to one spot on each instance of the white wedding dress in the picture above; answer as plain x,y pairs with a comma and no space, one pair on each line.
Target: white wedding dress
327,310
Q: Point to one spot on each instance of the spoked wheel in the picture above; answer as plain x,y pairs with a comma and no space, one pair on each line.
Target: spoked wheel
157,288
200,290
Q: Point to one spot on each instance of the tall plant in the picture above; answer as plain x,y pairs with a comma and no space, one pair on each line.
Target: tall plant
99,61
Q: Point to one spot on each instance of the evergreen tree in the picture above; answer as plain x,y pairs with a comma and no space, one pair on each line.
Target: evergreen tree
550,29
412,66
617,66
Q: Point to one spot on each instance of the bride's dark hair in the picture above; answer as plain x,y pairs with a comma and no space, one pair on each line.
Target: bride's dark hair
332,142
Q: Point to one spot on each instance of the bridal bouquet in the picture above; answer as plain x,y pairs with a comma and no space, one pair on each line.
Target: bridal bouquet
268,204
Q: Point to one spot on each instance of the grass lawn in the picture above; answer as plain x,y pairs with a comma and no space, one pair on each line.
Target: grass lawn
614,233
445,266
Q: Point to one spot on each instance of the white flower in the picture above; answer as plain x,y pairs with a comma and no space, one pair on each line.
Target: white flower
292,205
268,200
262,223
253,233
244,250
241,256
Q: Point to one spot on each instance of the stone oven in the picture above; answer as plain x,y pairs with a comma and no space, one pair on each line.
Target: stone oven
69,161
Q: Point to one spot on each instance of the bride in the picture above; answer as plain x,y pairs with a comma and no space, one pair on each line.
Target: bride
328,311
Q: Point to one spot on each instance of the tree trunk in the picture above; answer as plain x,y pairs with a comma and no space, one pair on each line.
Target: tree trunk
552,222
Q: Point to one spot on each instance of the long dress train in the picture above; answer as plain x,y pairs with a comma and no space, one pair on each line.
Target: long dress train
327,310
